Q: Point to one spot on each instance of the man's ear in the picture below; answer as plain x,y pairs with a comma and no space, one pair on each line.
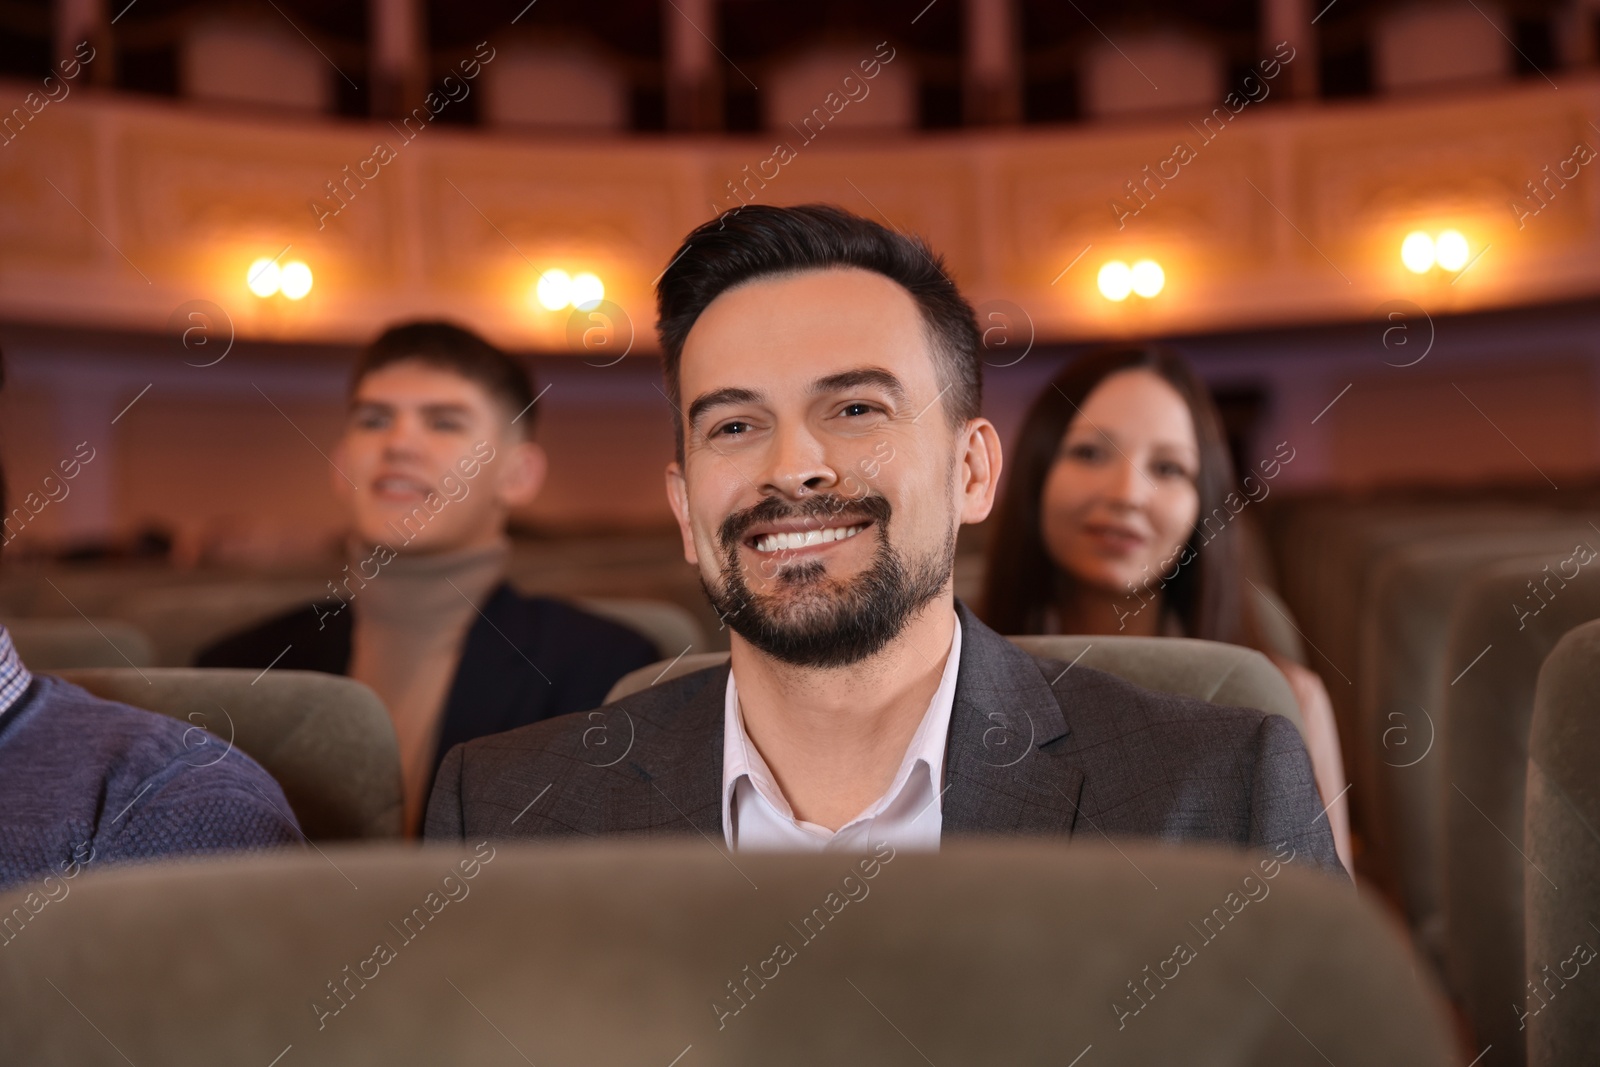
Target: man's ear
678,498
978,470
526,465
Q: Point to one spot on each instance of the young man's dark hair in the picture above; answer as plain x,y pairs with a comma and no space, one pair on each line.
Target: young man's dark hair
454,348
85,780
759,241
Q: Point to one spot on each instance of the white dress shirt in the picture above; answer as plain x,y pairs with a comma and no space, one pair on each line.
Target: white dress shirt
756,815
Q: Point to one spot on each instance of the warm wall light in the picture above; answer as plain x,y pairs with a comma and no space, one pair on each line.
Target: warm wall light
1148,278
557,289
263,277
1116,280
294,281
554,289
587,291
1451,251
1145,277
1417,252
1421,252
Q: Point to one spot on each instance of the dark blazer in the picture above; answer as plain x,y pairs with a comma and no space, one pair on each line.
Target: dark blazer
526,659
1034,748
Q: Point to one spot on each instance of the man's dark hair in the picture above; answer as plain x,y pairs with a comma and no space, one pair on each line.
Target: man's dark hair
758,241
453,348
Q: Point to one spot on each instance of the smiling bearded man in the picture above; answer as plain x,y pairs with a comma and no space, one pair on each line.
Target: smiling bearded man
824,374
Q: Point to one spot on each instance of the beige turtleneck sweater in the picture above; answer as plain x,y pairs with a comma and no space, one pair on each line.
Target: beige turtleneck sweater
411,623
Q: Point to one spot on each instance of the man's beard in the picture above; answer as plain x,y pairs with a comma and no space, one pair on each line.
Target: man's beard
826,622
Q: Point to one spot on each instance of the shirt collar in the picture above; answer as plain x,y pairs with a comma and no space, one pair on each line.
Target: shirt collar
14,677
741,759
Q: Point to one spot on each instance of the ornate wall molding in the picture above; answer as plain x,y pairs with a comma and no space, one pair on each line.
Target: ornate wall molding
116,211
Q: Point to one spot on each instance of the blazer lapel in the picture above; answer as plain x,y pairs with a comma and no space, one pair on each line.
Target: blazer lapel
1007,765
1008,769
323,641
493,678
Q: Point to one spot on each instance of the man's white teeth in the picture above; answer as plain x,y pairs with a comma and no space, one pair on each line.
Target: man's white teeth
397,485
773,542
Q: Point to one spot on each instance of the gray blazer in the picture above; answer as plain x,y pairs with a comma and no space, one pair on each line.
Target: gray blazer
1035,748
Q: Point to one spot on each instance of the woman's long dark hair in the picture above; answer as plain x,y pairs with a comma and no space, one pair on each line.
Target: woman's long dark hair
1022,582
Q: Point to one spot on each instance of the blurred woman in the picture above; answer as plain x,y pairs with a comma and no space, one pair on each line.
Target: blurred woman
1120,517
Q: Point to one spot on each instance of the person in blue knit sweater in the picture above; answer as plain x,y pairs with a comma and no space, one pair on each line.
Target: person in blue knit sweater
86,783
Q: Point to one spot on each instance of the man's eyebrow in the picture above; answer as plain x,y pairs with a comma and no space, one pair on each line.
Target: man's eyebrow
443,407
446,407
852,379
731,395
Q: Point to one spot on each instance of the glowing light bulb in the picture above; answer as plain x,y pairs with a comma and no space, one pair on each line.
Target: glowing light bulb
1147,278
263,277
554,289
1417,252
1116,280
587,291
1451,250
295,279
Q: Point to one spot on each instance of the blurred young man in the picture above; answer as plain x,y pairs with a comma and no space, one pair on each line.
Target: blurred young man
434,455
86,783
825,373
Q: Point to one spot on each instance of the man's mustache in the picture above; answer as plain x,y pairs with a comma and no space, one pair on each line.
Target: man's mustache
828,509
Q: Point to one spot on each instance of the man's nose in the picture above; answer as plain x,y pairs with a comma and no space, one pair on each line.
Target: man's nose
798,464
403,437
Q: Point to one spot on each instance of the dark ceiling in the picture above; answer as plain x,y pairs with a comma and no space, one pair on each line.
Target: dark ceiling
750,34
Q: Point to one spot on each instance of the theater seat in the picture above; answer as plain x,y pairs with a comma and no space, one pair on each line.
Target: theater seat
184,619
672,953
56,644
1484,759
670,627
662,671
326,739
1210,670
1562,875
1403,680
1330,549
